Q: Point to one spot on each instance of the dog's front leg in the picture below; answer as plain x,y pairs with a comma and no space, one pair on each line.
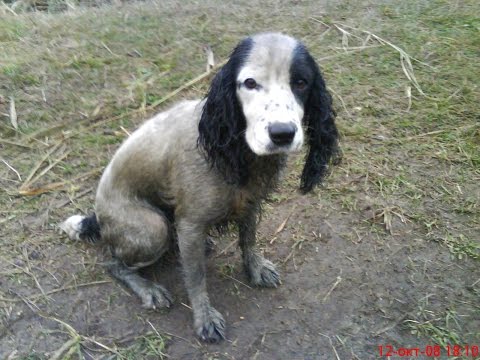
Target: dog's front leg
261,271
208,322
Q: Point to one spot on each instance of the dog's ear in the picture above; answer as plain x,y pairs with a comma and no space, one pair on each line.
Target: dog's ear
222,123
322,133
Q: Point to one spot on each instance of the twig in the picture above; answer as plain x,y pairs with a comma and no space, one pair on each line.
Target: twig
409,97
363,47
240,282
188,307
99,282
48,168
298,242
435,132
66,346
56,185
29,268
31,305
13,169
153,327
39,164
345,35
108,49
51,292
185,86
339,279
125,131
158,334
9,9
320,21
405,62
210,58
331,344
29,273
41,190
77,196
181,338
69,327
343,103
13,114
43,131
9,142
347,52
370,34
284,222
425,134
103,346
74,333
224,251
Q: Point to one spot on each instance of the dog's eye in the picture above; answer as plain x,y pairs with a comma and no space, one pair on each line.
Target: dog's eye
300,84
250,83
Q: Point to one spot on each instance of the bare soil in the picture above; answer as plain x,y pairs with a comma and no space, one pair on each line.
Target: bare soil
340,297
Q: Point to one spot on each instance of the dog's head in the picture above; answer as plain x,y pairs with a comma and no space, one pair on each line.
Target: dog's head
268,99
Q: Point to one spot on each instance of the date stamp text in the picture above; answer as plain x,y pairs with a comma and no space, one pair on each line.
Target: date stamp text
469,351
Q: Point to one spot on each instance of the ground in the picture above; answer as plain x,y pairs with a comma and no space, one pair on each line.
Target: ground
385,253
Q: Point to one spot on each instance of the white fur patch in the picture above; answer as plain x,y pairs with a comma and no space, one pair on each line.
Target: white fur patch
72,226
273,101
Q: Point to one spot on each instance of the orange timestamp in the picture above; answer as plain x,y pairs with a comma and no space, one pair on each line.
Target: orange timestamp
430,351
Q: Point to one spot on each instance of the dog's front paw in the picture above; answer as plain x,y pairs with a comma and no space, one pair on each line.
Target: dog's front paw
212,327
262,272
155,297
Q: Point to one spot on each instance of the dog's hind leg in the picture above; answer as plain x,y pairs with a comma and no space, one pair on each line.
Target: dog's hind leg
153,295
261,271
138,236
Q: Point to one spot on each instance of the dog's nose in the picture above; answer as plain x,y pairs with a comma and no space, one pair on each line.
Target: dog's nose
282,133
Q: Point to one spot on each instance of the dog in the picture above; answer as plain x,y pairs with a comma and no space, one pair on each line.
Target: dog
210,162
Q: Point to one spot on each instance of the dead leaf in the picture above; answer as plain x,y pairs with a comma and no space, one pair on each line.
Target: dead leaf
40,190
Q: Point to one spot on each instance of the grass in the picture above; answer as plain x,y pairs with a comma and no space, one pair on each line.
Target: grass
443,329
80,79
149,346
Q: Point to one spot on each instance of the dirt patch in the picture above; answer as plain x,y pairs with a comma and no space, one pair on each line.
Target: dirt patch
338,296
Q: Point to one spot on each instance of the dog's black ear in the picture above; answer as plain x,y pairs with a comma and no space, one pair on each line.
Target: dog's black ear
222,123
322,134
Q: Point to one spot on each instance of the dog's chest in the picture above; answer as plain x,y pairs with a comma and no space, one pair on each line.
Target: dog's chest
241,201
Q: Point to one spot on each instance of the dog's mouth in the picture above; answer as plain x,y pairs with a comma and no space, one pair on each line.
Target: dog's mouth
272,149
283,149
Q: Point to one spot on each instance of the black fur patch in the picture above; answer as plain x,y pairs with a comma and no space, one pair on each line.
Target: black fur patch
302,68
222,124
319,119
90,229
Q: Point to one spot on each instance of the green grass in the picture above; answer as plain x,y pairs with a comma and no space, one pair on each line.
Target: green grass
148,346
442,329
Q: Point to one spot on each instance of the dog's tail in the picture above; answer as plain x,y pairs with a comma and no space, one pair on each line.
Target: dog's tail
85,228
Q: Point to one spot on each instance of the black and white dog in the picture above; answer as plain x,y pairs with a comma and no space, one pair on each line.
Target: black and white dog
207,162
